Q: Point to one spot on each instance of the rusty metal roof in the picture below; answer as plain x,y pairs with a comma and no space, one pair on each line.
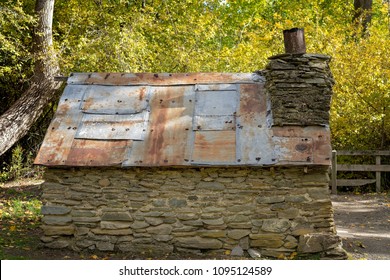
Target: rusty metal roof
195,119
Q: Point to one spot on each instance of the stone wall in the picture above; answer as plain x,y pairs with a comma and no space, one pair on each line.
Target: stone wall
300,89
276,211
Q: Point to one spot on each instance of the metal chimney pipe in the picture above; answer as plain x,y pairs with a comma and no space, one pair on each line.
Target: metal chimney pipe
294,41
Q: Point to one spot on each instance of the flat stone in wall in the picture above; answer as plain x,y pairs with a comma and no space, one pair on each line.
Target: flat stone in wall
162,210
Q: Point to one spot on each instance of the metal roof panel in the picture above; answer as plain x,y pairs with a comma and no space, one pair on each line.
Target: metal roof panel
295,149
216,103
214,147
113,127
115,100
254,142
87,152
170,128
62,130
320,135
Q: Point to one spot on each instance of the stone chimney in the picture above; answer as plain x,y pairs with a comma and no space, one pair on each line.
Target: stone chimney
299,85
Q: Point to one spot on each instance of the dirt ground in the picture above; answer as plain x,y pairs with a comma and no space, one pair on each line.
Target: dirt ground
363,222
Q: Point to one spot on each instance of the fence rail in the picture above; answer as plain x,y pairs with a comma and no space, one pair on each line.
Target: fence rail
377,168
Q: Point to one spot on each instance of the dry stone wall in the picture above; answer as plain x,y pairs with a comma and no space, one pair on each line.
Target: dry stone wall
276,211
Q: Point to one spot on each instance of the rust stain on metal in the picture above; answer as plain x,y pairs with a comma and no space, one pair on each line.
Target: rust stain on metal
159,79
319,141
215,147
294,149
254,144
216,87
97,152
170,123
59,137
142,94
155,151
252,99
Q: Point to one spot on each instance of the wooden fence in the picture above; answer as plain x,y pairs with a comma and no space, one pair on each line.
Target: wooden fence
377,168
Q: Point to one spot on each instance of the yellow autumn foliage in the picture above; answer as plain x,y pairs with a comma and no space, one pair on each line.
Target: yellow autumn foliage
227,36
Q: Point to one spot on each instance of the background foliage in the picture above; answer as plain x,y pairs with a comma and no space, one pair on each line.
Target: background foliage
213,35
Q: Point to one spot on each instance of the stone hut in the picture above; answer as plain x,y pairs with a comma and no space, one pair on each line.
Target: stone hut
198,163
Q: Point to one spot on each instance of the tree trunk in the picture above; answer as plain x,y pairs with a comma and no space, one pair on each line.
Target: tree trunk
363,13
20,117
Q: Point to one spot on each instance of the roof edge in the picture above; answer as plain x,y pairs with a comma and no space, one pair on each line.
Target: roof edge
162,79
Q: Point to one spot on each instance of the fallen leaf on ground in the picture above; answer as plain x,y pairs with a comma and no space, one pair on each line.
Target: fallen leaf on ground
360,244
293,255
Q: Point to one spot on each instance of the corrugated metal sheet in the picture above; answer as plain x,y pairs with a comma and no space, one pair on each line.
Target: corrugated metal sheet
196,119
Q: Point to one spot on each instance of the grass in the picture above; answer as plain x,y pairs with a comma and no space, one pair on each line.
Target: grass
20,219
15,237
16,209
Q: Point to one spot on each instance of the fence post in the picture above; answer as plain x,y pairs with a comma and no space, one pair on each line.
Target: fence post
378,174
334,172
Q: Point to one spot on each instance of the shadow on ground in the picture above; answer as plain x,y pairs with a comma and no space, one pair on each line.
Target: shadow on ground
363,222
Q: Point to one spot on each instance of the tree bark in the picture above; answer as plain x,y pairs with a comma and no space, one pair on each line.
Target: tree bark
20,117
363,13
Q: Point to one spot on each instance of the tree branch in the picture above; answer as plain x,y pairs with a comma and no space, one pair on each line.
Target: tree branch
21,116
